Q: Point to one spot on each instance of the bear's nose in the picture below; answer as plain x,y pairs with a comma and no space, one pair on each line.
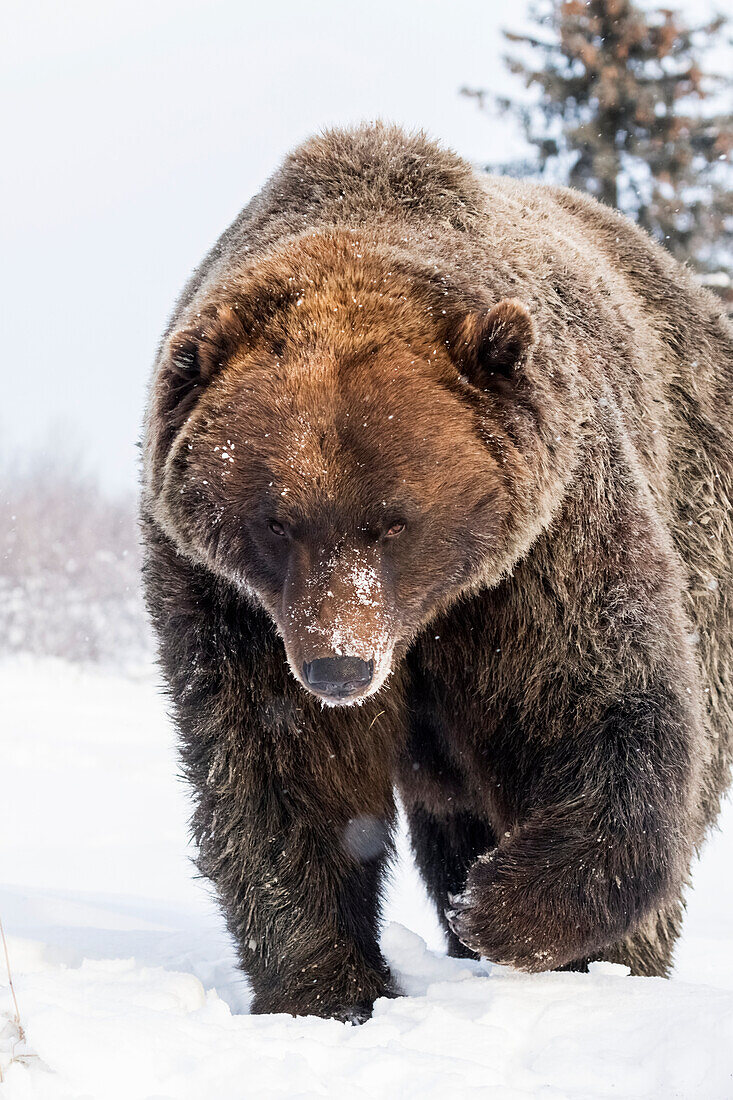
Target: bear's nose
338,677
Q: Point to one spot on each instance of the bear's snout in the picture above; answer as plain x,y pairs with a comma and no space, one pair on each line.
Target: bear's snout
338,677
338,621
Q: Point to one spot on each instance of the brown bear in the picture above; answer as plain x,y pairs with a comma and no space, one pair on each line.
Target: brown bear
437,497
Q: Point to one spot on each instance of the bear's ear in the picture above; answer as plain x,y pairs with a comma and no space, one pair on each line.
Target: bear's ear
196,353
490,342
191,358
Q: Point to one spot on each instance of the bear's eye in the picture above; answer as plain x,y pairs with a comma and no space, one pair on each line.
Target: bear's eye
276,528
395,530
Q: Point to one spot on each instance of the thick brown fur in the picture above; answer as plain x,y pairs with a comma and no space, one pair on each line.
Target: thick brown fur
476,432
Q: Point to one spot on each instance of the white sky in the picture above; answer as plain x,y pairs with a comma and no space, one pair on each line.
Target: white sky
134,131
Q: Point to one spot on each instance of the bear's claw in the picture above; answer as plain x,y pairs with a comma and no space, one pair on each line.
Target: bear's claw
457,918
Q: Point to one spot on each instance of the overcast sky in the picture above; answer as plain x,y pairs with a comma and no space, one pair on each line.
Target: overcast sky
135,130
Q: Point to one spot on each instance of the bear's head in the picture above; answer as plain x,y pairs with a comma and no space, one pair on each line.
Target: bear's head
342,438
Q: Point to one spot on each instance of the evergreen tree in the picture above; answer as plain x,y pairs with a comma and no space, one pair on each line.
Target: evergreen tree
626,111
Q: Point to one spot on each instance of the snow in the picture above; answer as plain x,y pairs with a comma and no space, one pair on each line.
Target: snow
127,983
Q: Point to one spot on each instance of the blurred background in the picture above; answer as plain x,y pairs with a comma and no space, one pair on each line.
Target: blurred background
133,134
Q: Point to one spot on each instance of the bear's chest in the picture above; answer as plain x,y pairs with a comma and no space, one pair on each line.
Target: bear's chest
465,736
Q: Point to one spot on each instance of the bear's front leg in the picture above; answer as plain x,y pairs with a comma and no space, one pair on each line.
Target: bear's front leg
297,847
606,844
302,899
294,818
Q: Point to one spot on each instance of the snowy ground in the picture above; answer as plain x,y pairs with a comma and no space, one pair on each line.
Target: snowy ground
126,981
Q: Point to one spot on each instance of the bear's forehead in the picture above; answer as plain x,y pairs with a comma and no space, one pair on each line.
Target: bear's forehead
325,458
325,434
332,441
324,398
332,462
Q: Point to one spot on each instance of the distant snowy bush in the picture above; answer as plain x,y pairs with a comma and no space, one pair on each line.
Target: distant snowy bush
69,568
